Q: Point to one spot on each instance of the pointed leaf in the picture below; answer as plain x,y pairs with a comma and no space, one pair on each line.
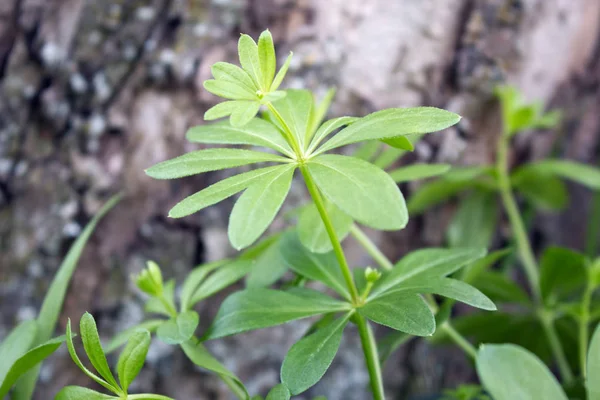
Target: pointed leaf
418,171
17,368
388,157
327,128
194,279
220,279
368,150
282,72
545,191
242,115
93,348
399,142
80,393
433,193
308,359
224,109
232,73
248,53
405,312
426,263
122,337
258,205
319,267
180,329
318,114
252,309
197,162
563,273
268,264
13,346
361,190
509,372
583,174
266,56
199,355
229,90
500,288
295,109
311,229
279,392
475,221
391,123
593,367
133,357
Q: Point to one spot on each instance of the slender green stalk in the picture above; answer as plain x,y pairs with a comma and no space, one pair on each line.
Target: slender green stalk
337,247
235,388
172,311
147,396
584,323
459,339
527,257
371,248
371,357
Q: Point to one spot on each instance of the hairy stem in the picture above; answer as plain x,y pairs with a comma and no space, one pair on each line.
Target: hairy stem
371,357
527,257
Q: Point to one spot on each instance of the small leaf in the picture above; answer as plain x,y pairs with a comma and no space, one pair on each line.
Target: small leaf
198,354
13,346
399,142
258,205
418,171
500,288
426,263
318,267
194,279
509,372
80,393
122,337
368,150
475,221
157,305
18,367
391,123
585,175
543,190
405,312
248,53
318,113
388,157
257,132
562,273
242,115
308,360
268,264
361,190
266,56
220,279
279,392
432,193
232,73
311,229
296,108
229,90
207,160
593,367
282,72
327,128
93,348
252,309
180,329
132,358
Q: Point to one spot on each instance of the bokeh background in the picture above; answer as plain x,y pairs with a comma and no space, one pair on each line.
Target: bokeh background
94,91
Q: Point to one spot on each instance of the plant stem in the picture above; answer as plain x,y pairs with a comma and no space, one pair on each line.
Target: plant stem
371,248
147,396
172,311
287,132
584,323
371,357
234,387
459,339
527,257
337,247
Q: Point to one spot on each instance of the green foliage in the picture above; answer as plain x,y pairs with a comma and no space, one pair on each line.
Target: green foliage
312,231
132,358
179,329
593,367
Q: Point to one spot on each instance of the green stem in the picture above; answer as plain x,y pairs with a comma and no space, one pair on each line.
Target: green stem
527,257
147,396
172,311
234,387
371,357
287,132
371,248
337,247
459,339
584,323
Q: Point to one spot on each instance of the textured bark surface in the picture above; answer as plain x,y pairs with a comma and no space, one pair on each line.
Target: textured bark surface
93,92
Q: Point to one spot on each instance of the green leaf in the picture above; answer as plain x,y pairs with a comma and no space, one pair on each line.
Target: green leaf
418,171
522,118
229,90
93,348
13,346
197,162
388,157
509,372
319,267
474,223
221,278
180,329
257,132
296,109
198,354
563,273
279,392
500,288
405,312
434,193
543,190
13,368
223,71
122,337
585,175
311,229
391,123
318,114
80,393
267,59
55,295
424,264
400,142
242,115
327,128
593,367
221,191
157,305
368,150
361,190
387,345
133,357
307,361
281,74
258,205
268,264
261,308
248,53
194,279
